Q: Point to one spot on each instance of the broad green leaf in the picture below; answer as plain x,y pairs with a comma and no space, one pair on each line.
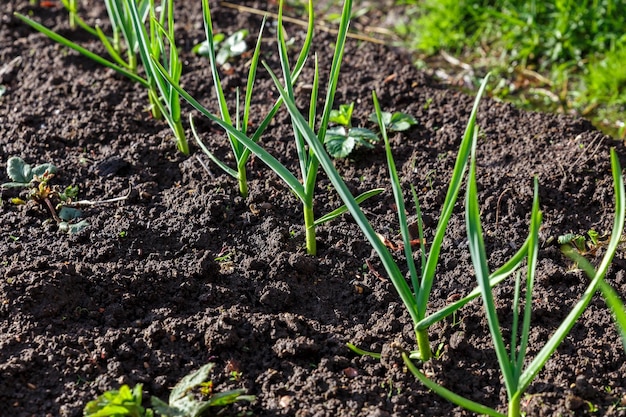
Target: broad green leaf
69,213
164,409
233,46
203,49
115,403
190,381
66,42
227,48
15,185
19,171
400,122
396,122
229,397
40,170
363,136
338,144
73,228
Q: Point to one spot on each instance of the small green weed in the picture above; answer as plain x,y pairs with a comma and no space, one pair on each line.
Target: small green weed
341,140
40,191
191,397
395,122
61,202
226,48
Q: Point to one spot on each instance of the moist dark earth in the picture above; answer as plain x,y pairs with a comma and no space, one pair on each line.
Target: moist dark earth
185,271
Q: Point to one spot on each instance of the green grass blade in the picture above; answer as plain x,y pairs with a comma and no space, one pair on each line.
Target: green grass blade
340,44
398,197
176,67
479,259
420,230
142,38
68,43
302,57
303,157
362,352
446,212
314,91
353,207
616,305
161,94
449,395
111,49
618,227
217,83
515,325
121,23
533,253
343,209
210,154
308,40
254,63
312,167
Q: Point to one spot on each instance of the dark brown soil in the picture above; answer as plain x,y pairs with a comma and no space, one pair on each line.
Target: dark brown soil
139,296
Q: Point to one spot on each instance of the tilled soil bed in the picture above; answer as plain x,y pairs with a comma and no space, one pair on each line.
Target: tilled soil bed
186,272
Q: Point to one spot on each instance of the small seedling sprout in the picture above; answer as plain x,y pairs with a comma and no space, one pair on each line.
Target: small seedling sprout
158,45
611,297
415,303
37,181
72,7
240,152
41,191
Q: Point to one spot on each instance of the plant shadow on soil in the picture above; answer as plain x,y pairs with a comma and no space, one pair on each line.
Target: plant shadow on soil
140,297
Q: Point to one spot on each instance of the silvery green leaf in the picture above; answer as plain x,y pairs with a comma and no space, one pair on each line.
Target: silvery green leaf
19,171
363,136
396,122
190,381
77,227
15,185
69,213
40,170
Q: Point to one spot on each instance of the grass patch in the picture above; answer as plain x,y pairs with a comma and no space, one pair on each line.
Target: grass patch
563,56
